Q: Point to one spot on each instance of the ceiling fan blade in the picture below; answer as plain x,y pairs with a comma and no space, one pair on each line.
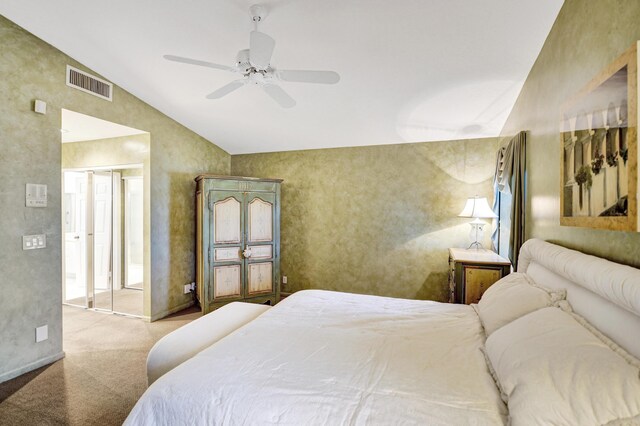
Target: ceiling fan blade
279,95
260,49
226,89
197,62
299,76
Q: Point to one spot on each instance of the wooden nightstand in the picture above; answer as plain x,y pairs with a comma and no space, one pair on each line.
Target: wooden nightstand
473,271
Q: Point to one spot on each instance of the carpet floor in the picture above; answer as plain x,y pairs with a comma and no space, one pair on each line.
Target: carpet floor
101,377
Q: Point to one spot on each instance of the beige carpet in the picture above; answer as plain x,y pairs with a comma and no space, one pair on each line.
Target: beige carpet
99,380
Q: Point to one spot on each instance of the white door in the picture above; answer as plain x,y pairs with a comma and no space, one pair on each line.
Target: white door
133,232
74,214
102,240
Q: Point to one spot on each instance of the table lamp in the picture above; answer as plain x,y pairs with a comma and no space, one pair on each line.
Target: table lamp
477,208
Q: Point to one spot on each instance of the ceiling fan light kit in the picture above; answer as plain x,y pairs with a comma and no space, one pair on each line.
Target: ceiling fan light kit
254,65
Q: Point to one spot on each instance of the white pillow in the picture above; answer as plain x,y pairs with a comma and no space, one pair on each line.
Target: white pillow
552,370
512,297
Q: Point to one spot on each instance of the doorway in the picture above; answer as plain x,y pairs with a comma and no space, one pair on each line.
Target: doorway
103,260
106,213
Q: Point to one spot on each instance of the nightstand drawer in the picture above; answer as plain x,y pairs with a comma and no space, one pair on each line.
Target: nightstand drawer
477,280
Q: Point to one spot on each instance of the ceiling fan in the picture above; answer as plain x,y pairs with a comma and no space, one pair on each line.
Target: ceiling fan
255,67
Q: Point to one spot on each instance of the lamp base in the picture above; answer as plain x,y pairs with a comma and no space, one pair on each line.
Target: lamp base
477,231
476,244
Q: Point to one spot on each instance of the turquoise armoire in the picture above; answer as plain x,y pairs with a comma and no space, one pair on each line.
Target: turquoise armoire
238,240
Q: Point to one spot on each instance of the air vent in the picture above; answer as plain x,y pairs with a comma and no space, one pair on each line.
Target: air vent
88,83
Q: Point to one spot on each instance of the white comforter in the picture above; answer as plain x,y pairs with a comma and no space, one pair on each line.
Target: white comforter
327,358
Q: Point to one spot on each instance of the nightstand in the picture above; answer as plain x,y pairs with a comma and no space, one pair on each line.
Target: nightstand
472,272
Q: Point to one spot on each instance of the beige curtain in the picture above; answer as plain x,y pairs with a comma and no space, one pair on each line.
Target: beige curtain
510,178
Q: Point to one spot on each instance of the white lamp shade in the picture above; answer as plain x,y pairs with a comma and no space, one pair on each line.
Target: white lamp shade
479,208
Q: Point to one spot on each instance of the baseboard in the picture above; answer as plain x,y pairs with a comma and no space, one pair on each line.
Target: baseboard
30,367
168,312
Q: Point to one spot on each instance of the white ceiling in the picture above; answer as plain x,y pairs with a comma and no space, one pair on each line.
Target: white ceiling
78,127
411,70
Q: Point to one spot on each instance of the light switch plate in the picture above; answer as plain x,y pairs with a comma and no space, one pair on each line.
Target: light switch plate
42,333
36,195
284,279
32,242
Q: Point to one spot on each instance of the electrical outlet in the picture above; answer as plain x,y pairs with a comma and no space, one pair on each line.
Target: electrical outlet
32,242
42,333
187,288
284,279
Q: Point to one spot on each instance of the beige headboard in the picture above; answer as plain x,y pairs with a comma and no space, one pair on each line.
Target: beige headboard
605,293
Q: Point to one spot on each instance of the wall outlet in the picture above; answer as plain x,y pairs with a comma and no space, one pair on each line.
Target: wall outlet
284,279
42,333
187,288
31,242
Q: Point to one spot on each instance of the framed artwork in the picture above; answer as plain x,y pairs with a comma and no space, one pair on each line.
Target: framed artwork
599,141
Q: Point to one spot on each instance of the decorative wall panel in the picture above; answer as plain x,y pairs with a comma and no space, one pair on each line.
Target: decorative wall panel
227,221
260,220
227,281
227,254
260,277
261,252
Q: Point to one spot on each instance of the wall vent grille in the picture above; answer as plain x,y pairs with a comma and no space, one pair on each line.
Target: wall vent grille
89,84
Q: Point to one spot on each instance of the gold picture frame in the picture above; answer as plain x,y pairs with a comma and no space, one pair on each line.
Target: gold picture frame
599,150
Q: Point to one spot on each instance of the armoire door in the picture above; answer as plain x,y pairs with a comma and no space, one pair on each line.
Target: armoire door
225,248
259,245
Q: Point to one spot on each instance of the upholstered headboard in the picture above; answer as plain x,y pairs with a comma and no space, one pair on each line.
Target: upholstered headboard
605,293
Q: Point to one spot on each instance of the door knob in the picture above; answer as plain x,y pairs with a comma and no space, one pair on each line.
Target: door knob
76,237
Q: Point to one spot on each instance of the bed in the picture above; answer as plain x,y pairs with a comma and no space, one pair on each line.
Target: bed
322,357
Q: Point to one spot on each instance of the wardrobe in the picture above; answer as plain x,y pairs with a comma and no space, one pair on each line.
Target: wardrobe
238,240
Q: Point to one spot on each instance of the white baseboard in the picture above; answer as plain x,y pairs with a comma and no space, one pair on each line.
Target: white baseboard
168,312
31,366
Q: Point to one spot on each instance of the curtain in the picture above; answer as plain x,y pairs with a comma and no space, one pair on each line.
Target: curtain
498,177
510,176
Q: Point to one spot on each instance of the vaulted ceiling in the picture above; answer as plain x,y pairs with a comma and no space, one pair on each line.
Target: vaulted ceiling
411,70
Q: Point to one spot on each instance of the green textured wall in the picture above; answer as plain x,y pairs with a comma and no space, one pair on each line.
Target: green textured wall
108,152
585,38
31,281
377,219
